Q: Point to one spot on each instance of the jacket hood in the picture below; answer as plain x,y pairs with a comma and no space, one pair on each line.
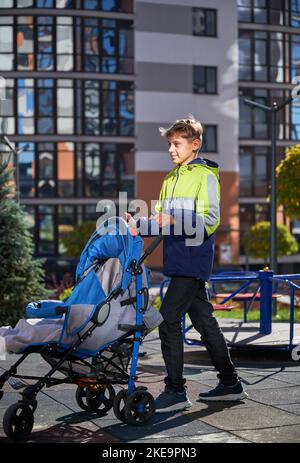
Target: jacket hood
211,165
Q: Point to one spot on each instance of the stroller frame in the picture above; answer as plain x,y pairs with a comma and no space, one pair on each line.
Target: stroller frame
133,406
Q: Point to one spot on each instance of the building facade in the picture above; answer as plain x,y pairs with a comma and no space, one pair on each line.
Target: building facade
89,82
68,67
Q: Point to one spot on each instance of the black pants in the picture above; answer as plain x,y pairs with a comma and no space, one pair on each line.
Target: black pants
188,295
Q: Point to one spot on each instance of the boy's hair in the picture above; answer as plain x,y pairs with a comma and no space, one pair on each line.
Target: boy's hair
188,128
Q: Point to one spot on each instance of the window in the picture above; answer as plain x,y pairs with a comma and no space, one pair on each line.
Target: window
209,142
25,106
295,55
64,43
65,106
46,43
254,171
6,43
92,107
45,106
254,123
205,79
46,170
65,169
251,214
46,230
7,112
261,56
108,46
125,6
108,169
27,169
205,22
263,12
66,221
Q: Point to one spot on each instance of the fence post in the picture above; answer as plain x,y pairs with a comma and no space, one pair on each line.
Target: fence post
265,300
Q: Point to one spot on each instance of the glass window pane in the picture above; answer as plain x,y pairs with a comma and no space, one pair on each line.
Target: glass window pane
46,230
65,169
210,23
65,101
64,33
92,107
45,105
198,21
245,161
127,172
25,106
27,170
65,125
92,169
244,10
6,38
210,139
6,4
199,79
66,222
109,5
91,4
211,80
64,3
126,113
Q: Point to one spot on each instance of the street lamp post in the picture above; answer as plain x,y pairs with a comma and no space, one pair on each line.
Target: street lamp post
273,206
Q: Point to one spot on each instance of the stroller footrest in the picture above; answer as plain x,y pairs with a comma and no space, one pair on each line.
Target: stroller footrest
16,383
126,328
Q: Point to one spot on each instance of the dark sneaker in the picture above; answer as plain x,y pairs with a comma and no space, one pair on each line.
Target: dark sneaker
224,393
171,401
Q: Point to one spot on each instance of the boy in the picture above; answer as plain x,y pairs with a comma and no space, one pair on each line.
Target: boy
189,201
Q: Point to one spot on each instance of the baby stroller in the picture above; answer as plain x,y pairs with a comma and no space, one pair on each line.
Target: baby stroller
101,326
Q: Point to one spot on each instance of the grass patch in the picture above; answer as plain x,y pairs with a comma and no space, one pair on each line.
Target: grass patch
283,312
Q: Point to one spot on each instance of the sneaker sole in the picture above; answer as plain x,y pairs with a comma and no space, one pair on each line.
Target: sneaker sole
175,408
226,398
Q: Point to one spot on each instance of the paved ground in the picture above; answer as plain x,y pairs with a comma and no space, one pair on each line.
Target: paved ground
270,414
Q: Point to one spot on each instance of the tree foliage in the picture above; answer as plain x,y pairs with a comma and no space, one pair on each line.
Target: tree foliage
288,181
257,241
21,276
75,241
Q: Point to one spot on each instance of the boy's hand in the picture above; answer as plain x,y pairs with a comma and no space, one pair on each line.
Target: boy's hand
163,219
130,220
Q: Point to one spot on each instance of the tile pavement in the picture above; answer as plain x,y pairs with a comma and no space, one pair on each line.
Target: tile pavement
270,414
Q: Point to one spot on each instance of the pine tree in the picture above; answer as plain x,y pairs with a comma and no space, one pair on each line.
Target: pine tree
21,276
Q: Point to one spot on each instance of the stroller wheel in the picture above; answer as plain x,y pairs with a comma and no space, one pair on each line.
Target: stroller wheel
100,401
119,405
139,408
81,398
18,421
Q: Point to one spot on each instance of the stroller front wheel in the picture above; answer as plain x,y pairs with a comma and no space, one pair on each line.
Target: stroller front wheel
139,408
18,421
119,405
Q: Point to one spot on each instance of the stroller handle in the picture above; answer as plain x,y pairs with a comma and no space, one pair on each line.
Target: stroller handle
151,248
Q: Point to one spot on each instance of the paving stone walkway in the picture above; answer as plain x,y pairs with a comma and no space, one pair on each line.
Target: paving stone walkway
271,414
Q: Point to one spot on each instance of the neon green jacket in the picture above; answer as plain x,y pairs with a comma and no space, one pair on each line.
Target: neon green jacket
191,194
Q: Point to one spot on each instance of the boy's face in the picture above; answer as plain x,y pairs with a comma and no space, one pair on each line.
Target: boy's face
182,150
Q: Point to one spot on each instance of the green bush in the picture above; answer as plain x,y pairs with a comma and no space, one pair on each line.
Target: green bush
75,241
257,241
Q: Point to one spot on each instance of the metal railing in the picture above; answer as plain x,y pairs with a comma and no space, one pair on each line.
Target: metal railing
266,282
